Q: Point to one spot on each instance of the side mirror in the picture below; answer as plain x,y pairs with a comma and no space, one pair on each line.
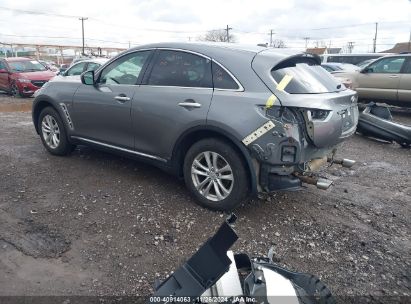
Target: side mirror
87,77
3,71
367,70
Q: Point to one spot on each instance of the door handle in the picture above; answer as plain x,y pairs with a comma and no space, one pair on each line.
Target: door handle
393,76
122,98
189,103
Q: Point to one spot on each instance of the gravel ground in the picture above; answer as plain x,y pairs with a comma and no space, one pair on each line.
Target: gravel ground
97,224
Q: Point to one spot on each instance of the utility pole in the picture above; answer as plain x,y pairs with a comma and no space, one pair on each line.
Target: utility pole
228,33
306,41
271,37
350,46
82,31
375,38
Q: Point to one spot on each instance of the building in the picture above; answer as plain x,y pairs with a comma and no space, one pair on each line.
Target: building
401,47
323,50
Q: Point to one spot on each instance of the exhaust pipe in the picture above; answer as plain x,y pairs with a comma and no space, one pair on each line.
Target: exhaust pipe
345,162
321,183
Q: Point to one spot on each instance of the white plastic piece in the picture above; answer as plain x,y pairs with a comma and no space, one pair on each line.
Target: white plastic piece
229,284
279,289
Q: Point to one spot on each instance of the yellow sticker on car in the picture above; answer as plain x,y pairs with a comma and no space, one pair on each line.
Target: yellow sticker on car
284,82
270,101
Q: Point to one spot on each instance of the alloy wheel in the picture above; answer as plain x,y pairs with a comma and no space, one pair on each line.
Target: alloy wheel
212,176
14,90
51,131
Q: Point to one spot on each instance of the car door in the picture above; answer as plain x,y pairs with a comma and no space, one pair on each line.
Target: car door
101,112
4,76
404,88
380,80
174,96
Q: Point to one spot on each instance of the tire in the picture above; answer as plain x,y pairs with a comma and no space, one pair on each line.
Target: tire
56,143
204,186
14,91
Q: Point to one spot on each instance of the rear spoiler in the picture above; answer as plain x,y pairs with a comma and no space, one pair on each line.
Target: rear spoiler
311,59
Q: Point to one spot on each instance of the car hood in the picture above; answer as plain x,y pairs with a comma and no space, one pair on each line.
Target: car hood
40,75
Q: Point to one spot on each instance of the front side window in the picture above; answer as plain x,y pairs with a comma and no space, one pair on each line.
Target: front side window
176,68
386,65
26,66
125,70
306,79
223,80
92,66
76,69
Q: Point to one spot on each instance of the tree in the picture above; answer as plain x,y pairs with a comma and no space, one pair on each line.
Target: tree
217,36
278,43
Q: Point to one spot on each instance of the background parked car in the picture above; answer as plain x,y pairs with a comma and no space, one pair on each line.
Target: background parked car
22,76
387,79
50,66
351,58
63,68
85,65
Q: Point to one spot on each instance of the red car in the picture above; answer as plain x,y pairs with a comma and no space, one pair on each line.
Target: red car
22,76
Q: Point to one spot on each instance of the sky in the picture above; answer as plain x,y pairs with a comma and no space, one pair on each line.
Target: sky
124,23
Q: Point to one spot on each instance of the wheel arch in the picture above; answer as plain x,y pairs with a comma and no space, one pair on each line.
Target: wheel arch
38,106
193,135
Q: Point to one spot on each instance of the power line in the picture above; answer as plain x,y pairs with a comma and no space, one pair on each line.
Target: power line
62,37
37,12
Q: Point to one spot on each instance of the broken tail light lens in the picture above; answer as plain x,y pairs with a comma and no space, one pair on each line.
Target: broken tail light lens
318,114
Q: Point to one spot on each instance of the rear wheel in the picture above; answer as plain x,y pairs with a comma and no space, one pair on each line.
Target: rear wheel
215,174
53,133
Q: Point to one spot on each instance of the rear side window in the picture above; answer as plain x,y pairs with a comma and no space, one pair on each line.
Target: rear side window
181,69
306,79
222,80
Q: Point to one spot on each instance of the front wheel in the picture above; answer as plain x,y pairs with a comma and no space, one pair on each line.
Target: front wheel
14,90
53,133
215,174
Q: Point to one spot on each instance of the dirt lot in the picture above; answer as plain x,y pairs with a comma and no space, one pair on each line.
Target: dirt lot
96,224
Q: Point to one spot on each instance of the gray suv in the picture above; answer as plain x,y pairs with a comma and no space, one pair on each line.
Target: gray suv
231,120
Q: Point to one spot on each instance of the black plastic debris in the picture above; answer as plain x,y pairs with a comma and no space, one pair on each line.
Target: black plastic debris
376,121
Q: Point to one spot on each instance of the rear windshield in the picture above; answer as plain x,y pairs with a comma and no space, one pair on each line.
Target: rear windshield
307,79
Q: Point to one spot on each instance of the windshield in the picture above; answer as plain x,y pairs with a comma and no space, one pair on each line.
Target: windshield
365,63
26,66
307,79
